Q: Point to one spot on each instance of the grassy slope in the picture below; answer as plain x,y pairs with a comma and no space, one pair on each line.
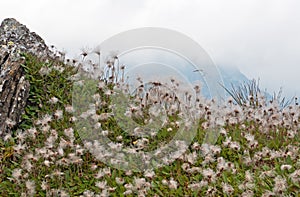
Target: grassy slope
78,177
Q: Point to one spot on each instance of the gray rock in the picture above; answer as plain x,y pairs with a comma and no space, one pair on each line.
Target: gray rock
15,39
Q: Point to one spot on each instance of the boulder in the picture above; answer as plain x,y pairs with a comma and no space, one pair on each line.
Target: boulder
15,39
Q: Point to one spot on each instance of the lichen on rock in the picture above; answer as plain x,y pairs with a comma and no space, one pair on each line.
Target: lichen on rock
15,39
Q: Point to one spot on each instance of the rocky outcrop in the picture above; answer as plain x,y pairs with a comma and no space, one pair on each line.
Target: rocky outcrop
15,39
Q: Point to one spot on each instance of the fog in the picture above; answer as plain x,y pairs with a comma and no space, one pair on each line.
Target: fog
261,38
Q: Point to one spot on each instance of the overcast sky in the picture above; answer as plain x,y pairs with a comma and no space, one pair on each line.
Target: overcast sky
260,37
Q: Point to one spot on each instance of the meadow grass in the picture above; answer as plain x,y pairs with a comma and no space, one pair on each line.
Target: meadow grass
256,153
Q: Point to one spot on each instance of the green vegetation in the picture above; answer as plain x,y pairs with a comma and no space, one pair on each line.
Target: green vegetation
256,153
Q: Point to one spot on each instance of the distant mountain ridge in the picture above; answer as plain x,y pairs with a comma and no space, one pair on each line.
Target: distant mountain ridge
232,76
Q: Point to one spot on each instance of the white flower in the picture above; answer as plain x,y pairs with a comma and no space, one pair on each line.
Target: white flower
227,188
30,186
173,184
285,167
194,186
295,176
17,173
53,100
120,180
47,163
196,146
248,176
209,174
127,192
249,137
69,133
46,119
45,185
149,173
10,123
234,145
164,182
280,185
58,114
7,137
101,184
191,158
169,129
69,109
60,151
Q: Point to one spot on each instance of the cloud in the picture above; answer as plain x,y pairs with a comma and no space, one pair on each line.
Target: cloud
261,38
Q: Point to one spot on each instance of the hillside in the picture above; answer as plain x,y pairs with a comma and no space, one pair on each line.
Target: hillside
250,150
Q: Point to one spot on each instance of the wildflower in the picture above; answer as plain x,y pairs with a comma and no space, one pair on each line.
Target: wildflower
169,129
185,166
196,146
119,180
17,173
30,186
191,158
45,128
164,182
74,158
10,123
221,166
280,185
227,188
64,143
69,109
79,150
21,135
69,133
249,137
63,193
60,151
45,120
211,191
234,145
53,100
248,176
215,149
173,184
47,163
227,142
85,51
205,150
19,148
119,138
58,114
50,141
149,173
127,192
193,170
291,134
248,193
32,132
209,174
57,173
295,176
87,193
107,171
285,167
26,164
45,185
7,137
194,186
101,184
73,119
268,194
197,186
